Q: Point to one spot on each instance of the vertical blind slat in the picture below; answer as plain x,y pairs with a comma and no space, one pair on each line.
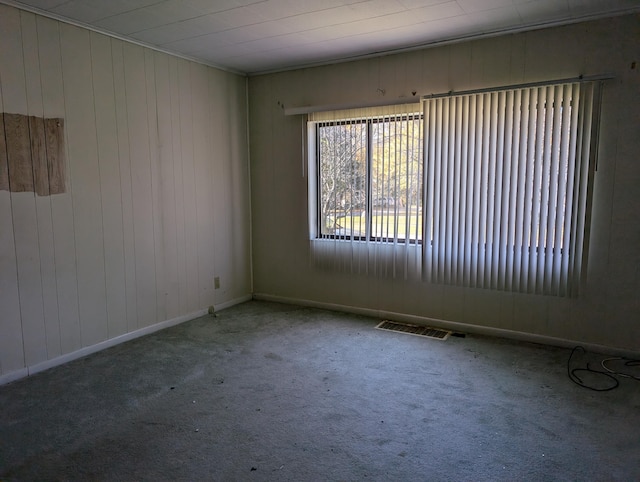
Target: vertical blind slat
429,138
545,172
463,222
491,192
583,167
504,155
455,195
435,213
514,150
497,161
484,164
563,176
568,239
447,212
555,182
475,201
575,221
522,191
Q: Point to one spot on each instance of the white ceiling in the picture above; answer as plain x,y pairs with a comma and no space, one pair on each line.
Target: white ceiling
253,36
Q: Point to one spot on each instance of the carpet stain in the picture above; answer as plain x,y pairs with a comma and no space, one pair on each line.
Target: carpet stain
273,356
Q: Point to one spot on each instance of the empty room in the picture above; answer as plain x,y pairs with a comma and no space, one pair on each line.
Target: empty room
304,240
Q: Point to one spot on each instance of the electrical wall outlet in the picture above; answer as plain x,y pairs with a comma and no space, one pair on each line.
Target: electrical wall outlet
216,282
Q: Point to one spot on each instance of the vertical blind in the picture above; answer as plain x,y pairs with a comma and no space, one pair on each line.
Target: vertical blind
488,190
369,165
506,188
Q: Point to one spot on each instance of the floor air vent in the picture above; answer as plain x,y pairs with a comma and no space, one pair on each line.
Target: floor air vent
414,330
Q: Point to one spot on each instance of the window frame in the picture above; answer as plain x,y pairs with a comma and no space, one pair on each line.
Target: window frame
475,253
369,121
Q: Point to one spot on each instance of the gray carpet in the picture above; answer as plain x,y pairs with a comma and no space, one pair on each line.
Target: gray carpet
266,391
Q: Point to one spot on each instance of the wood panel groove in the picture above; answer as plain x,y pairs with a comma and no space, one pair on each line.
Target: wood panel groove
126,184
138,122
39,156
54,144
4,166
18,152
165,108
192,288
85,179
156,220
61,303
42,199
110,187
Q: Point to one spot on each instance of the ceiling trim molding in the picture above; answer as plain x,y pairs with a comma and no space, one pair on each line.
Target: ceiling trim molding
75,23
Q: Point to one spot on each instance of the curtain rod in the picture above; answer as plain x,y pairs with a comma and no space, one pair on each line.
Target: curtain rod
581,78
415,100
352,105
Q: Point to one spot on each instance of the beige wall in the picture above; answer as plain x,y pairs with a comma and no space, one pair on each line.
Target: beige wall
607,311
157,203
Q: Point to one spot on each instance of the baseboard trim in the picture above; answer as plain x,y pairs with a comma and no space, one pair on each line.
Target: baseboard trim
103,345
453,325
13,376
233,302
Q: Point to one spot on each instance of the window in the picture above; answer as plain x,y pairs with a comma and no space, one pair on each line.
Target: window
487,190
370,178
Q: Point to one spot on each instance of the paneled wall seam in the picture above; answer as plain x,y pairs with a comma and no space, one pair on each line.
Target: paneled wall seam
119,163
73,307
27,205
30,111
14,245
73,207
153,207
248,134
95,123
133,225
160,284
174,231
53,236
195,183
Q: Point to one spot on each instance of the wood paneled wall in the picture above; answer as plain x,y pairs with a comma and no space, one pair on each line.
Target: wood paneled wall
156,198
608,307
